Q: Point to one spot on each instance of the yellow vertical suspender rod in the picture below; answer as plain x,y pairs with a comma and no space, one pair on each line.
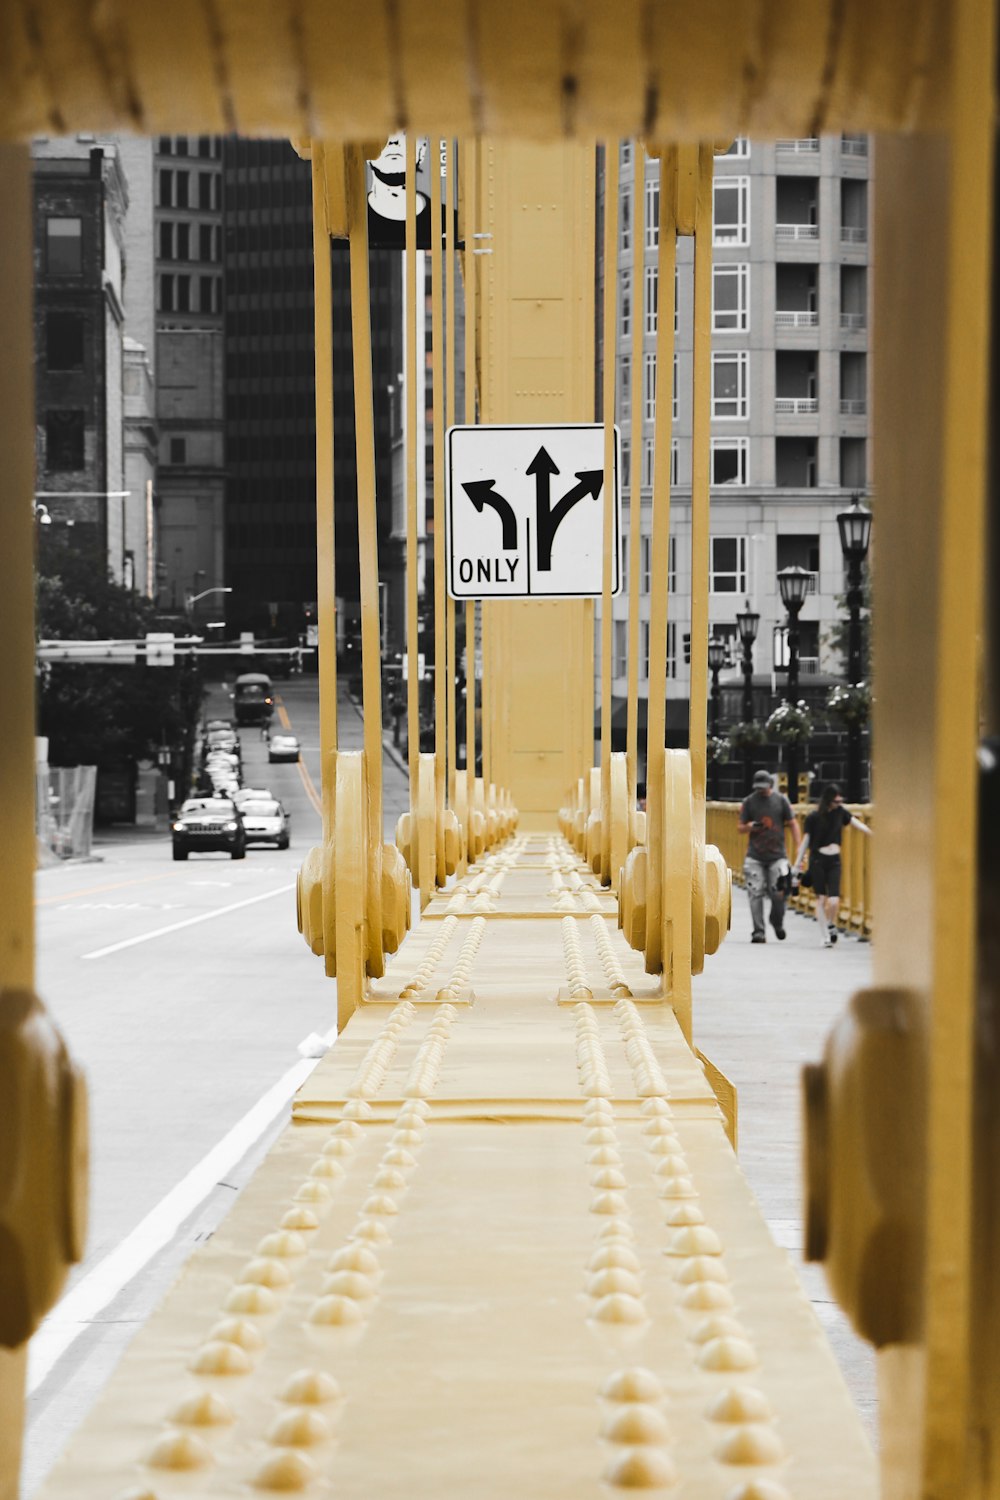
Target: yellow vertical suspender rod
660,547
635,474
469,191
608,407
371,645
413,447
700,446
451,273
326,591
440,611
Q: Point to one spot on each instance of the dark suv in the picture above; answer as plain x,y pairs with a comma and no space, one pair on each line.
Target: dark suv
209,823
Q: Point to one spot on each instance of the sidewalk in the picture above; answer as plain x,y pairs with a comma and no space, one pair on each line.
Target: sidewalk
759,1017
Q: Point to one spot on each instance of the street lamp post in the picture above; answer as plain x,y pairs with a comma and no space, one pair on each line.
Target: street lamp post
793,583
855,534
747,623
716,661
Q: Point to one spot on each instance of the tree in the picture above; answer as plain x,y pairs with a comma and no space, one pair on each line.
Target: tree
96,715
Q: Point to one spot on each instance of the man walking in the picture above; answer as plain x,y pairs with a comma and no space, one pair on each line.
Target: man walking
763,816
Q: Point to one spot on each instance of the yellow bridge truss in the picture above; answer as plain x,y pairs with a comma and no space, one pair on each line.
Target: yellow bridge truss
505,1245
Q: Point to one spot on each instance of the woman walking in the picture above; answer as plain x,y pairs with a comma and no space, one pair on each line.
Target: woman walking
824,831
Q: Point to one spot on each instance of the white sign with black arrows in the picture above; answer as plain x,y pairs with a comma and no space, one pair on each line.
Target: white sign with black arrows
525,512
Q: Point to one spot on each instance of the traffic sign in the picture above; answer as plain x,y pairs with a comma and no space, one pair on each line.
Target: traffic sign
524,515
159,648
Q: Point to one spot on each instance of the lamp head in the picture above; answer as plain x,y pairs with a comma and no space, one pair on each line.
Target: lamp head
855,530
794,585
747,623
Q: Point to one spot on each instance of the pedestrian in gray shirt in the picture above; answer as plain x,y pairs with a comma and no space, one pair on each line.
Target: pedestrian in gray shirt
763,815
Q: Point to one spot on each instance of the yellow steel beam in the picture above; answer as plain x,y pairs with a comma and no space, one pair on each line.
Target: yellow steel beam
306,67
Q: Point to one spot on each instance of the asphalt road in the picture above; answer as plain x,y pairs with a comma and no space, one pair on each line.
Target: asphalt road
184,991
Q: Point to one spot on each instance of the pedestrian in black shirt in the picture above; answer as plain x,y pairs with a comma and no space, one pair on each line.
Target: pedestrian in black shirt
824,831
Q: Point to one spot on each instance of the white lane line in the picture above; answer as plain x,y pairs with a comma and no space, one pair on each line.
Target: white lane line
77,1310
206,916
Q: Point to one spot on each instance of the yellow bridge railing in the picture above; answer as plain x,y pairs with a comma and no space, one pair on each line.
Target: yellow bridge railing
855,914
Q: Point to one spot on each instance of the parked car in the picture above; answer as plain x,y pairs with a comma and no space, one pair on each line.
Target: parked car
283,747
209,823
265,822
253,794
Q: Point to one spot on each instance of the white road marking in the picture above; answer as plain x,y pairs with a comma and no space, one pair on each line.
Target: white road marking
77,1310
206,916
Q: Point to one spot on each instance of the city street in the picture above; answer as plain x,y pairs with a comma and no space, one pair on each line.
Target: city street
184,991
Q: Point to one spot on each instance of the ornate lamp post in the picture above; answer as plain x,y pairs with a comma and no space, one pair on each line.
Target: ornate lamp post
793,583
747,623
716,661
855,534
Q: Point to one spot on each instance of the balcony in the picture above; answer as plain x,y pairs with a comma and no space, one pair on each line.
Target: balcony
805,146
854,234
784,318
796,406
853,322
854,145
853,407
798,232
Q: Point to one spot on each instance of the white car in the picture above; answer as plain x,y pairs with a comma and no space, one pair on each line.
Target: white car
265,821
283,747
252,794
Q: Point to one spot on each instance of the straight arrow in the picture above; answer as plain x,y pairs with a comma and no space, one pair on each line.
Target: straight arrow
551,517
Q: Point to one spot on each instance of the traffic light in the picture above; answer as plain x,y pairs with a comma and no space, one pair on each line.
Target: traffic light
687,648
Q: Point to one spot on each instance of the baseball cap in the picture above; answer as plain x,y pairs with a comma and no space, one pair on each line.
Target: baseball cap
763,778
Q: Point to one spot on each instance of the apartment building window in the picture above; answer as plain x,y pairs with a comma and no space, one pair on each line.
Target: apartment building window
63,441
795,463
63,246
731,298
625,324
731,223
645,563
729,385
204,145
166,293
729,460
647,463
178,450
740,147
652,298
165,146
644,650
181,145
672,565
626,153
205,242
853,464
729,565
652,212
620,665
208,300
624,387
64,341
204,189
182,183
183,294
671,649
166,187
649,386
626,458
184,242
625,224
675,406
677,284
166,240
